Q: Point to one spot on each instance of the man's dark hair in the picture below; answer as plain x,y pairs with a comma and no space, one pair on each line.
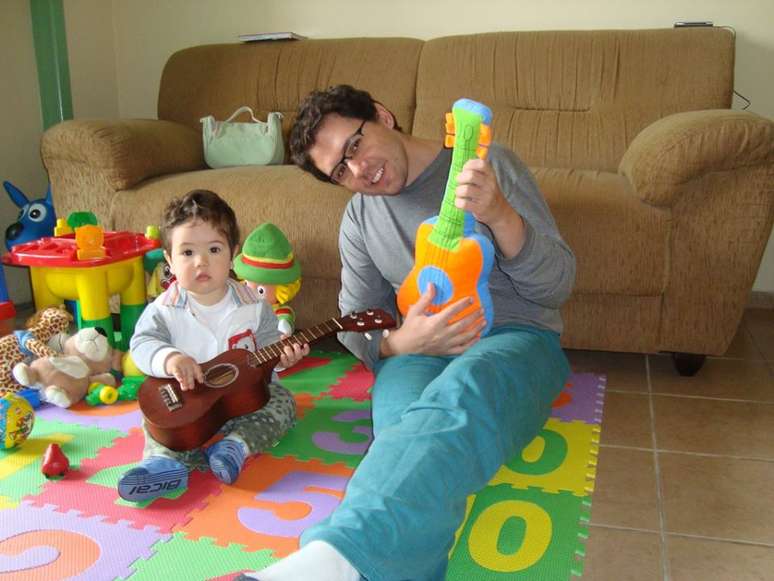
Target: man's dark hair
202,205
343,100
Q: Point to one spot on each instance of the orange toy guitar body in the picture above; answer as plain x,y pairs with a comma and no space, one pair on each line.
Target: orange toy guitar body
449,254
235,384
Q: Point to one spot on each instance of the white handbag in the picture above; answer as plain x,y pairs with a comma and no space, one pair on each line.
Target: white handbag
229,143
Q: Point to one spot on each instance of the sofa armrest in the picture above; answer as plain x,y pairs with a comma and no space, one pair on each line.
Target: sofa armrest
123,152
681,147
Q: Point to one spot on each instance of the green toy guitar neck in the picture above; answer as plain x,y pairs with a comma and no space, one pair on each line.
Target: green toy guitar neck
468,130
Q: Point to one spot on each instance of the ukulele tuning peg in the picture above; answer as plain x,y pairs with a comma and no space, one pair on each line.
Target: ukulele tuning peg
449,118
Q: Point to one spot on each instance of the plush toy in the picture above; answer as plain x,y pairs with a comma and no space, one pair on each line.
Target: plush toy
36,218
159,275
267,264
43,337
64,379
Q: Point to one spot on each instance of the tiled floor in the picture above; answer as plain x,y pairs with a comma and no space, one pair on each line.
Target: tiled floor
685,481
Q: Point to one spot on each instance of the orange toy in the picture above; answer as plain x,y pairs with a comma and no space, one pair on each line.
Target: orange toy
449,254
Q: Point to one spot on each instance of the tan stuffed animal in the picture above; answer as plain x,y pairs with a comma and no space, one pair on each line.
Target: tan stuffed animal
41,338
64,379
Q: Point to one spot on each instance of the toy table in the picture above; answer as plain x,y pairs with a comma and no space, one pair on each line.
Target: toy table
57,274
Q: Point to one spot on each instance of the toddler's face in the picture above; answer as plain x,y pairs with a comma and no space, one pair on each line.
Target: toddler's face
200,259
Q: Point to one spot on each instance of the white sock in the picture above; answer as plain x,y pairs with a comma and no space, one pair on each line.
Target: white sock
318,560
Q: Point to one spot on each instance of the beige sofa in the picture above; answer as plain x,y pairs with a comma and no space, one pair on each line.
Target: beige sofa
664,193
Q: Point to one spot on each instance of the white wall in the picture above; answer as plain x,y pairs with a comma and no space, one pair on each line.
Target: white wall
92,56
118,48
21,126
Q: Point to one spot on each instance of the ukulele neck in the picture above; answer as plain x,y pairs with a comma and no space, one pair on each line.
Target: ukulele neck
270,354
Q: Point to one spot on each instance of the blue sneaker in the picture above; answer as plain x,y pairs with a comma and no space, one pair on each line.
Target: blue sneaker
153,477
226,458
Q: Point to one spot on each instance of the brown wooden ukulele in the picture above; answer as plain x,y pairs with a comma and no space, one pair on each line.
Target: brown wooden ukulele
235,384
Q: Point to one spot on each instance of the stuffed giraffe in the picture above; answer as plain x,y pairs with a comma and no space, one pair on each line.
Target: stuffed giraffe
44,332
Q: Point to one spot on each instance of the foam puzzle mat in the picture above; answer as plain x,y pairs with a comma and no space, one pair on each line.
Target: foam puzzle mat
530,522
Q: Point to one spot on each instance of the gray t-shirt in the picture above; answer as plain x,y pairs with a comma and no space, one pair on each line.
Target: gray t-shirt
376,242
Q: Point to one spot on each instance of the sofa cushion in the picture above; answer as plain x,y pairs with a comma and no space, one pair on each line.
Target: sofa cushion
575,99
276,76
278,194
621,245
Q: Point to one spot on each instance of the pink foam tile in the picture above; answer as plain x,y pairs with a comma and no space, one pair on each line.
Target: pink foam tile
92,490
354,385
308,362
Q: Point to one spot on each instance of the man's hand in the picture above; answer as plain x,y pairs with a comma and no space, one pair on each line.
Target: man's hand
479,193
184,369
432,334
292,354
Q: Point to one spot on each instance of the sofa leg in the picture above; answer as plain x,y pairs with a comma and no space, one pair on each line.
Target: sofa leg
688,364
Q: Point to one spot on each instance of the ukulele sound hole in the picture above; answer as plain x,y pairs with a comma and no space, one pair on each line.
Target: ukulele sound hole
221,375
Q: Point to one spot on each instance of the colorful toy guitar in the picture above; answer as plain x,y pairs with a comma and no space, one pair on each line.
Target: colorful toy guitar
235,384
448,253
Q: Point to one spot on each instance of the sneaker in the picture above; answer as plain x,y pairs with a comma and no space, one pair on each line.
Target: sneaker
153,477
226,458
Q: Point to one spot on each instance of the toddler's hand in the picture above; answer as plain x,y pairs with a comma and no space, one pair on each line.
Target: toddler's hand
184,369
293,354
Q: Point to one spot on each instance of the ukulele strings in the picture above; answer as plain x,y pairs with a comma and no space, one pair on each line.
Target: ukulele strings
275,350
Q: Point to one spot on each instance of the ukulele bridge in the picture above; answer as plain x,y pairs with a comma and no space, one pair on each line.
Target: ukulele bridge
169,397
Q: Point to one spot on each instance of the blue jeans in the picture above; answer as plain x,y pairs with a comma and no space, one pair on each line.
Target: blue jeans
443,426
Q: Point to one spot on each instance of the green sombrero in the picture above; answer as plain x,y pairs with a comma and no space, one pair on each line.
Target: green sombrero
267,257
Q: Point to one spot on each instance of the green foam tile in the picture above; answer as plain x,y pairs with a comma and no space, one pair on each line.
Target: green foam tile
201,559
513,534
317,380
20,473
335,430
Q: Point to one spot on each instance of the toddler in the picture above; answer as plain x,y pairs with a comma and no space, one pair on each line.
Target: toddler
200,315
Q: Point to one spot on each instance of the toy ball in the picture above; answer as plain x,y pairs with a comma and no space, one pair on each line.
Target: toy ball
16,420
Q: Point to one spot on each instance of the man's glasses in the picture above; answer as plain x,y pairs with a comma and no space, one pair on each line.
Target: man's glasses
341,171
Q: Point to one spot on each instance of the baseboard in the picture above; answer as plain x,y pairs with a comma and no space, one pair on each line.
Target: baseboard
760,300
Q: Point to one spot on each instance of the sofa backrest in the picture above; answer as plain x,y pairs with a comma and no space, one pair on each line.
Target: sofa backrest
570,99
277,75
575,99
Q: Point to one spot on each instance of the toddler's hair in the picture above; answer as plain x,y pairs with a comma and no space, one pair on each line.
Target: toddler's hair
201,205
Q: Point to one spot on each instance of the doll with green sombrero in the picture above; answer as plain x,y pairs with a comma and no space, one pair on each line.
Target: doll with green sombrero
268,265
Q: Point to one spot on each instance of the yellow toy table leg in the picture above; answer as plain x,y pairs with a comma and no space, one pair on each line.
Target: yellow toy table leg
41,294
92,287
132,303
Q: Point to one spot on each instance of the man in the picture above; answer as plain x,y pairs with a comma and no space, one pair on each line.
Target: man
449,406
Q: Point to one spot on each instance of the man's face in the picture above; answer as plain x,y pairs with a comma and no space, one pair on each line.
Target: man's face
363,157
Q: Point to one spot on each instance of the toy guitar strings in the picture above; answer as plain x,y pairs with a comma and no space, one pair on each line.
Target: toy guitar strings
235,384
449,254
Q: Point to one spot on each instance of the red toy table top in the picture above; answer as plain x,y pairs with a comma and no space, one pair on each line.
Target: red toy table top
62,251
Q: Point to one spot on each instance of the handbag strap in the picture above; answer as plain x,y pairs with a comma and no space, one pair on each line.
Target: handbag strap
241,110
